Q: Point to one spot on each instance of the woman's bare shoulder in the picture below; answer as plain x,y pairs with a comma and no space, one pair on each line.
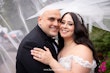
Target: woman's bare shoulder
83,52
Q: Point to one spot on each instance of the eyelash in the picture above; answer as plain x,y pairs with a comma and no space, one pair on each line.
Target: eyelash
68,23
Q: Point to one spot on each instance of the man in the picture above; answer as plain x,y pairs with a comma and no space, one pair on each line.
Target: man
40,36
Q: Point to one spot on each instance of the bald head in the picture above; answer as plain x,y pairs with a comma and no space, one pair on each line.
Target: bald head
48,12
49,21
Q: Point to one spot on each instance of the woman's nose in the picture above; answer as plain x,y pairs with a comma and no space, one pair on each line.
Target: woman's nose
65,25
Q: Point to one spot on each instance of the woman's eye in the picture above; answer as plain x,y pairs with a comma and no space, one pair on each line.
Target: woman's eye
70,24
62,22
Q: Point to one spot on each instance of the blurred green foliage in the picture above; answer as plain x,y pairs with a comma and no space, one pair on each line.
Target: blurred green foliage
101,41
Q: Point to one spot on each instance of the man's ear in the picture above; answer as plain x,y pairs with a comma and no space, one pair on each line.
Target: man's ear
39,20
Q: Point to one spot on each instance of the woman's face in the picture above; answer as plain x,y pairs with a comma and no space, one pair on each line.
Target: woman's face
67,26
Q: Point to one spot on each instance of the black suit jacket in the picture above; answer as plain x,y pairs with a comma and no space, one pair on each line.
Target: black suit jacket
24,60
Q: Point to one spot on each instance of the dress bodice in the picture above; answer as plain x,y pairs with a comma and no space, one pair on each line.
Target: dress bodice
66,62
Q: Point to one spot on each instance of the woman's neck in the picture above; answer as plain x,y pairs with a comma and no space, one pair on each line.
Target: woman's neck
68,42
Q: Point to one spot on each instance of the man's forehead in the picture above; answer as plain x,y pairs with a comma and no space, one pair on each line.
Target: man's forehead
53,16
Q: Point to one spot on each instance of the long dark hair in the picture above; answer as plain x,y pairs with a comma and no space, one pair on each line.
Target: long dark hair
81,35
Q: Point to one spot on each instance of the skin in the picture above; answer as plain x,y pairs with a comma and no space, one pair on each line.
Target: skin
70,48
49,22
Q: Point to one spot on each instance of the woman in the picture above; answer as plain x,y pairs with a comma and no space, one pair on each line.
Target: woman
77,53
